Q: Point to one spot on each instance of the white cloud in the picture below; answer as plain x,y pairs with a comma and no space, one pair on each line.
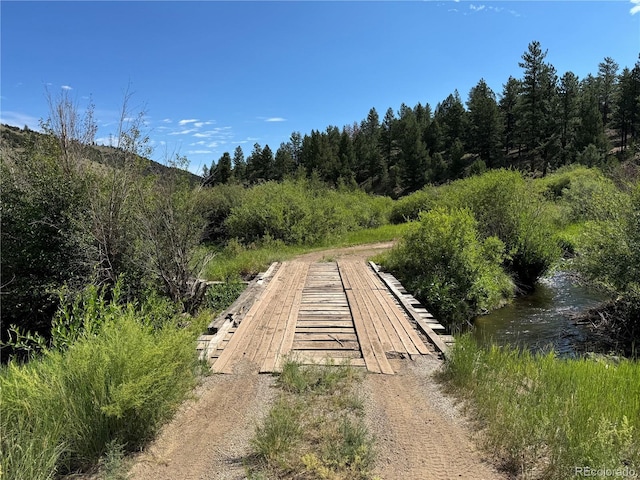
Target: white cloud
166,120
183,132
185,122
214,144
199,152
201,142
66,87
276,119
636,8
477,8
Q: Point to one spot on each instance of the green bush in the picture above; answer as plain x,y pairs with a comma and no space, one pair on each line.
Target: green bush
583,194
60,412
506,206
448,266
300,212
408,208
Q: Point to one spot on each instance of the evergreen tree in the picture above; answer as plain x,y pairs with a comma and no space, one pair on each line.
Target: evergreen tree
591,131
508,108
284,164
607,77
627,106
451,116
239,165
414,157
569,93
223,169
485,124
537,106
368,154
388,141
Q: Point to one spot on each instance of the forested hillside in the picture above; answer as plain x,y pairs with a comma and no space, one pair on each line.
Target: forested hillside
542,119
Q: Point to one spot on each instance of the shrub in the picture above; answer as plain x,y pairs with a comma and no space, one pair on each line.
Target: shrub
506,206
583,194
408,208
300,212
61,412
446,263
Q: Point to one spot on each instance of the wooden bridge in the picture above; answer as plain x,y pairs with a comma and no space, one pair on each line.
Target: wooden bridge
344,311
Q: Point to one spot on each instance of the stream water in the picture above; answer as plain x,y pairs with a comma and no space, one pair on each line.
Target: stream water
542,319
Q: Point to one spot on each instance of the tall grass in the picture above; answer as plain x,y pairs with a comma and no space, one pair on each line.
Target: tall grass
547,417
63,411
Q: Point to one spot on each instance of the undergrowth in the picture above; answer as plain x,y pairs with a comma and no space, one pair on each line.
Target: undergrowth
315,428
547,417
105,392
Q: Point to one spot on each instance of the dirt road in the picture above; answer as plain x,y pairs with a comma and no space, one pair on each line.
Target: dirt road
420,433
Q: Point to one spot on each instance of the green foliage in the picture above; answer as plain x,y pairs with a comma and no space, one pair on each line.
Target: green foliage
301,212
221,296
447,265
583,194
217,203
63,411
42,236
506,206
408,208
545,416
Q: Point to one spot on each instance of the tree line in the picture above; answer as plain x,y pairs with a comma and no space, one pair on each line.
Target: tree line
538,122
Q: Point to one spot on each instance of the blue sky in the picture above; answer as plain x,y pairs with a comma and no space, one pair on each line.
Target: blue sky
214,75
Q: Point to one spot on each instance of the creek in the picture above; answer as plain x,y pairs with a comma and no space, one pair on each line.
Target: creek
543,319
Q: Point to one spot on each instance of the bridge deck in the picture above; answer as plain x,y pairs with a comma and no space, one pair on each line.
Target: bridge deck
315,312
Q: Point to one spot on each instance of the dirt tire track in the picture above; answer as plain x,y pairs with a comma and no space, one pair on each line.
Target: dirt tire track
419,434
209,437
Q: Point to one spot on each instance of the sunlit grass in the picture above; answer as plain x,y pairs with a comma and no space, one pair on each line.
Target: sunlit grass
236,261
315,428
547,416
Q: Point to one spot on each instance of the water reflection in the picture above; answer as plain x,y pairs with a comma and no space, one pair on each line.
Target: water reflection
543,319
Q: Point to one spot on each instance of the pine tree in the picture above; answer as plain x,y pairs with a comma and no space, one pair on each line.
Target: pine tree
239,165
627,106
223,169
508,107
284,164
485,124
452,118
607,82
569,94
537,106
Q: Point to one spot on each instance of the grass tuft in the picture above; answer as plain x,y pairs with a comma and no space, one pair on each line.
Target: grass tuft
315,429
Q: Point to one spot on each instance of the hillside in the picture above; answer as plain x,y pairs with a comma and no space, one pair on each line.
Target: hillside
15,141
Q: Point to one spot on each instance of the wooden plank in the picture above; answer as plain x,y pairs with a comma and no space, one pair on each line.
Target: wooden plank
325,345
326,337
325,330
370,345
426,329
405,331
276,357
376,313
271,338
241,339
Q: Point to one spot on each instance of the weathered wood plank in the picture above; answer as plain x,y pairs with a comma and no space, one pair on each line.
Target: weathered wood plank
370,344
241,339
276,356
